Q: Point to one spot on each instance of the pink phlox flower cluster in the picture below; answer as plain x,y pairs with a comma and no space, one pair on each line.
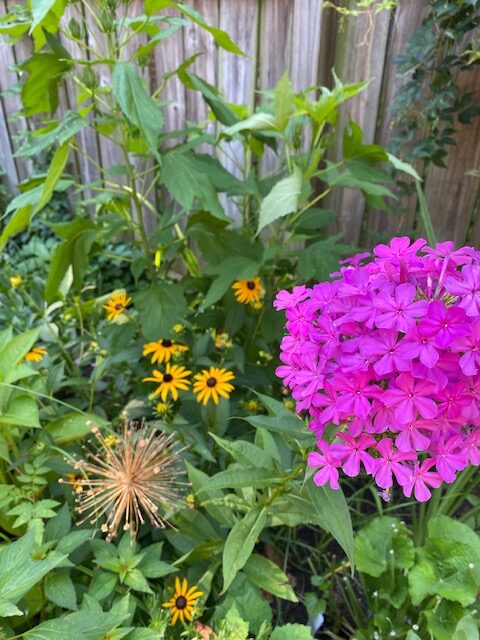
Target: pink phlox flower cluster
389,353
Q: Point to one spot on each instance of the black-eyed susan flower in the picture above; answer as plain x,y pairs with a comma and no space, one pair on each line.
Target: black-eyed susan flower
16,281
212,383
129,482
163,350
182,603
248,291
116,305
169,382
36,354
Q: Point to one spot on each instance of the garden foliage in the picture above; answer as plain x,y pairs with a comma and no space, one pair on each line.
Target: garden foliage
152,467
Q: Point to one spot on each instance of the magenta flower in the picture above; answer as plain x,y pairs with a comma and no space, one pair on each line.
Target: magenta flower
445,324
416,346
399,311
285,299
354,394
450,458
328,463
468,288
391,347
420,477
399,248
352,452
470,347
453,399
411,396
385,346
390,463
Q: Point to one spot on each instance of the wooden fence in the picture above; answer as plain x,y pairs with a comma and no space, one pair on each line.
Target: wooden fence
308,39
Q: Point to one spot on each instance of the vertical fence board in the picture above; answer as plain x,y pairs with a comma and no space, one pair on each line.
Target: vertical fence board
360,56
305,45
407,18
450,193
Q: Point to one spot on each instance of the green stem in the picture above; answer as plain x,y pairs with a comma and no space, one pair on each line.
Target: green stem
425,215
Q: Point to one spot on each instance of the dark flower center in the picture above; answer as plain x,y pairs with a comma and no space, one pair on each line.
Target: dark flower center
167,377
181,602
167,343
251,285
211,382
118,306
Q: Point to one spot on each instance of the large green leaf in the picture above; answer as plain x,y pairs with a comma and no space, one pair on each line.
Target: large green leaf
240,543
160,307
19,572
81,625
72,426
40,9
55,170
320,258
292,632
282,199
257,122
238,476
15,350
21,411
136,104
245,452
332,511
266,575
70,124
382,543
284,101
186,180
448,563
60,590
40,91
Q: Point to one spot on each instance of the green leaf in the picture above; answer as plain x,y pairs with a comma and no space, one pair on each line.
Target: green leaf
59,589
287,424
21,411
443,619
40,91
217,104
70,124
137,581
186,180
243,602
383,543
238,476
245,452
319,259
17,223
240,543
15,350
284,101
231,269
282,199
221,37
8,609
136,104
81,625
448,564
55,171
400,165
73,540
39,9
81,234
73,426
466,629
333,514
18,571
257,122
266,575
160,307
291,632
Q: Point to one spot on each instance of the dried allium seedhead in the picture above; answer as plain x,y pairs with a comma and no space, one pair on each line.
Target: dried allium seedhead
129,478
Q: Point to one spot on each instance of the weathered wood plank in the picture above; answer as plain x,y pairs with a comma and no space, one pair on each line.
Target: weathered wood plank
407,18
360,55
306,30
275,54
450,193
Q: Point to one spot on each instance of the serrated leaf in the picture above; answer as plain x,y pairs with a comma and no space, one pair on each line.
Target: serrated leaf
136,104
282,199
292,632
160,307
382,543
